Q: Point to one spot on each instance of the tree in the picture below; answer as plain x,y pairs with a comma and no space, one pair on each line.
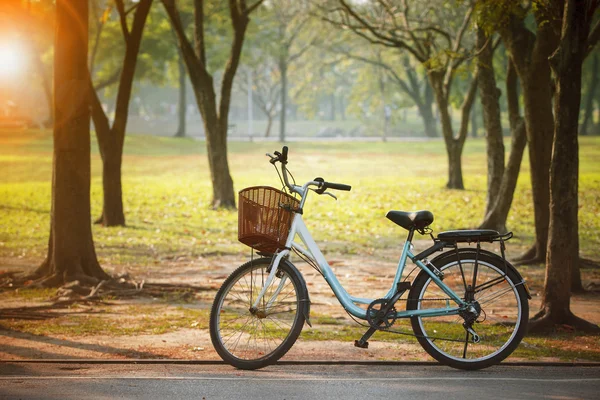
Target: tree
529,51
501,181
592,88
265,88
259,58
435,38
409,80
215,117
182,103
292,20
563,238
71,253
112,138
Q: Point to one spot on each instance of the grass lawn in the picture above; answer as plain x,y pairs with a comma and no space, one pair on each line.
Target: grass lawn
167,194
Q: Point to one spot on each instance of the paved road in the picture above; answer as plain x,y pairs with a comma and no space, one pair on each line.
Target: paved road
92,381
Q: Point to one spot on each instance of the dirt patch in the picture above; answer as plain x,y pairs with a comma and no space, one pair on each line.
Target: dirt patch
166,328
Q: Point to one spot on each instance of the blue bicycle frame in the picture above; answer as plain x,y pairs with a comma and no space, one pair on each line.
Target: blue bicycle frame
312,251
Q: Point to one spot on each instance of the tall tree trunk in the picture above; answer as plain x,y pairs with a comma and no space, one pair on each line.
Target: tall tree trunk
490,95
71,253
223,195
454,145
429,118
269,124
332,105
588,112
474,126
182,103
498,214
47,86
530,54
283,114
429,122
563,250
111,139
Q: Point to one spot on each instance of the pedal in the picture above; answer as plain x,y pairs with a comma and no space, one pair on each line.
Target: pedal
361,344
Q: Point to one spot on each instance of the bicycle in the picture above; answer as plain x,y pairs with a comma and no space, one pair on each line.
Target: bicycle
468,307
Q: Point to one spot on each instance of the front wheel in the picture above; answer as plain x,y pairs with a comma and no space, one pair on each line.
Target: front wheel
499,312
249,337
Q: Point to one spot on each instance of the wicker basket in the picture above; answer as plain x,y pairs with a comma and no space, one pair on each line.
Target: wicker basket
263,223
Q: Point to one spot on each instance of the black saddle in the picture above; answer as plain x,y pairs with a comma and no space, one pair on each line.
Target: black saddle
408,220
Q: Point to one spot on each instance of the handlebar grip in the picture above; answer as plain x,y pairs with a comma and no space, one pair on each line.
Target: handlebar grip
284,154
336,186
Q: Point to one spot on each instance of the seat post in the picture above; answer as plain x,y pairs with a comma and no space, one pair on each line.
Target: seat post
411,234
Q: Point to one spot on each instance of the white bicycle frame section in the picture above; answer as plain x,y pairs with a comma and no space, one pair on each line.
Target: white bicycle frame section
312,251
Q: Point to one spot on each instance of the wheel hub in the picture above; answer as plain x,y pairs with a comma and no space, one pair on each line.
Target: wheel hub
260,314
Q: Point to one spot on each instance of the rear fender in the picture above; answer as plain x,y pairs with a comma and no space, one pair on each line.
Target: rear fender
472,252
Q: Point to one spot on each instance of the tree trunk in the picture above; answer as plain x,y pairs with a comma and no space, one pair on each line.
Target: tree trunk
332,105
215,117
429,118
454,145
429,122
269,124
474,121
563,251
111,139
588,112
282,115
455,180
112,213
490,95
71,253
47,86
530,54
497,216
223,195
182,104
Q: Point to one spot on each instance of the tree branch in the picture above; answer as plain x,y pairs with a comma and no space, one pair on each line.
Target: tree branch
108,81
389,39
466,108
593,38
199,31
123,19
451,63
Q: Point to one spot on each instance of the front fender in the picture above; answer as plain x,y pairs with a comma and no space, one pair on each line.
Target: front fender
304,297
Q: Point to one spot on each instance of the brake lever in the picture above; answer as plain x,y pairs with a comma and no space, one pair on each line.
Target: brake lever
273,159
330,194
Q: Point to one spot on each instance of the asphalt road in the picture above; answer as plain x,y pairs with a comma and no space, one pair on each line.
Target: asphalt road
167,381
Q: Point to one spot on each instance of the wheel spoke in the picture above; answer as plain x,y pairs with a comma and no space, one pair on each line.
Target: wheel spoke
498,307
244,335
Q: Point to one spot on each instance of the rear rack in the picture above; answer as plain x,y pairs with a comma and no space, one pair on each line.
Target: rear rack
450,239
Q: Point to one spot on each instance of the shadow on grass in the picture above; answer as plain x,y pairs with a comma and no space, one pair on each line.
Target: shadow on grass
34,350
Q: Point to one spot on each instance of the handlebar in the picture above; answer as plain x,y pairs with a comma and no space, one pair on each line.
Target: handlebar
321,184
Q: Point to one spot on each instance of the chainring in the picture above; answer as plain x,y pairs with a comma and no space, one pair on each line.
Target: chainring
377,318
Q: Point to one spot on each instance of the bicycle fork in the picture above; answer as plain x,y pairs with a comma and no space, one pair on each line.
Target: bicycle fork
272,272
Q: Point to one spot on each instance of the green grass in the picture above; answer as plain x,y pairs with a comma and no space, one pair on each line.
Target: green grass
167,193
134,320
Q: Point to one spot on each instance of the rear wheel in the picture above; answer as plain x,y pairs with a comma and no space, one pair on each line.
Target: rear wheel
498,315
251,338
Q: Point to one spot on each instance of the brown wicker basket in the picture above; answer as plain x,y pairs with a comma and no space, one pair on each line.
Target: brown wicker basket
263,223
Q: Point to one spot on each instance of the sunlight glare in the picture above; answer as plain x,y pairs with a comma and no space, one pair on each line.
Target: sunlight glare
11,60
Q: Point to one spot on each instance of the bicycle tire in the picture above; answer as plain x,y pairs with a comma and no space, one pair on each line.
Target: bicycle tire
269,332
501,324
